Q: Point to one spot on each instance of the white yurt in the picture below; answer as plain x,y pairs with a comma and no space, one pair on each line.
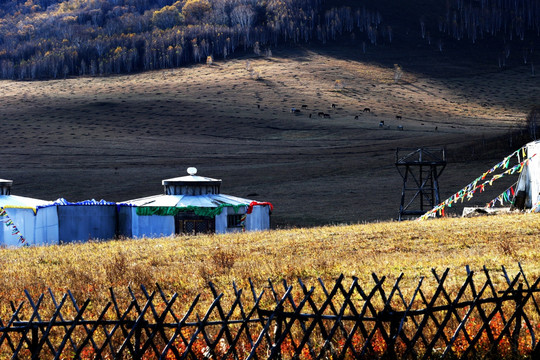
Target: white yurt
191,205
26,221
528,186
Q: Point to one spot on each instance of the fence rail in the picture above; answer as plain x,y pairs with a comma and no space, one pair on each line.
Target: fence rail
281,322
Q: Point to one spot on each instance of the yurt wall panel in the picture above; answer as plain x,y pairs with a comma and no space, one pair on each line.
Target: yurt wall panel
259,219
84,222
221,223
24,220
152,225
125,224
46,226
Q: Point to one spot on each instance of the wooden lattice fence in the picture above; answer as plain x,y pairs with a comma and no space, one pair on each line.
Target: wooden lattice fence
345,320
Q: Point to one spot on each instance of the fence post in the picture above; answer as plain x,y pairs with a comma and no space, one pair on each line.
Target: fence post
388,315
519,313
137,335
395,321
34,346
278,331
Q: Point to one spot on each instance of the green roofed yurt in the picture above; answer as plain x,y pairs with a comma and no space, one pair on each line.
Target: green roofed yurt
191,205
26,221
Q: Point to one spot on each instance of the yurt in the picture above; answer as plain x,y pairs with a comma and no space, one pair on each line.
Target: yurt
86,220
26,221
191,204
528,186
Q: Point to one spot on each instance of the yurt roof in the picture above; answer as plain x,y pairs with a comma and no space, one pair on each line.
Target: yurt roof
207,200
190,179
21,202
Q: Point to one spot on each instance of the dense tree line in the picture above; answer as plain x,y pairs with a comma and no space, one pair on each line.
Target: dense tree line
514,24
57,38
482,18
52,39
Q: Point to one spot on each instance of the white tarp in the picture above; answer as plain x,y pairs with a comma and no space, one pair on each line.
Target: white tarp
529,179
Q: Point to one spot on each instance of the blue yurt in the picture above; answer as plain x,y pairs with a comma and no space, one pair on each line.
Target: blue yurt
26,221
191,204
86,220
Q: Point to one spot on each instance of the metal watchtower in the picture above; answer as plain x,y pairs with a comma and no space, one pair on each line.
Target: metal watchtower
423,166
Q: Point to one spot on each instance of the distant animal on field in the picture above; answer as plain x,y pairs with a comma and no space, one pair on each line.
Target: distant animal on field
398,117
327,115
321,114
304,106
356,117
297,111
381,123
367,110
333,106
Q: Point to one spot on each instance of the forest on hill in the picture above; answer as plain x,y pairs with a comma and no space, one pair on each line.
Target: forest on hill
42,39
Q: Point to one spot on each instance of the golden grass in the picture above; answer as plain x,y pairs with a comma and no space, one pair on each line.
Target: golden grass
185,264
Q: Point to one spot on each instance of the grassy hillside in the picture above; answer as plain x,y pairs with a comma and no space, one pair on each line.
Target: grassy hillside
186,264
116,138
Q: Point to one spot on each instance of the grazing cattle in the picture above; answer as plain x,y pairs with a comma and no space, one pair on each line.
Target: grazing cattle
304,106
326,115
333,106
367,110
356,117
321,114
398,117
381,123
400,127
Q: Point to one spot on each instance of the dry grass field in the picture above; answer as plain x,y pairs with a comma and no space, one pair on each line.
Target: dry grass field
118,137
186,264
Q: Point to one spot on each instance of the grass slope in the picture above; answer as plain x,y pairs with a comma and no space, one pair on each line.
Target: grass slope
186,264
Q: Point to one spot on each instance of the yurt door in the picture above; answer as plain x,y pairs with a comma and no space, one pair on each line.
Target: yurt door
186,223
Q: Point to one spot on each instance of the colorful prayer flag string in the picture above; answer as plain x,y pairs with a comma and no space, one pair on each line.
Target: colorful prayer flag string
9,223
506,196
534,207
243,222
474,186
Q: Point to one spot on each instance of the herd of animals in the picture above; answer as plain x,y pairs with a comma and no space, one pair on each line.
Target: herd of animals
322,114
